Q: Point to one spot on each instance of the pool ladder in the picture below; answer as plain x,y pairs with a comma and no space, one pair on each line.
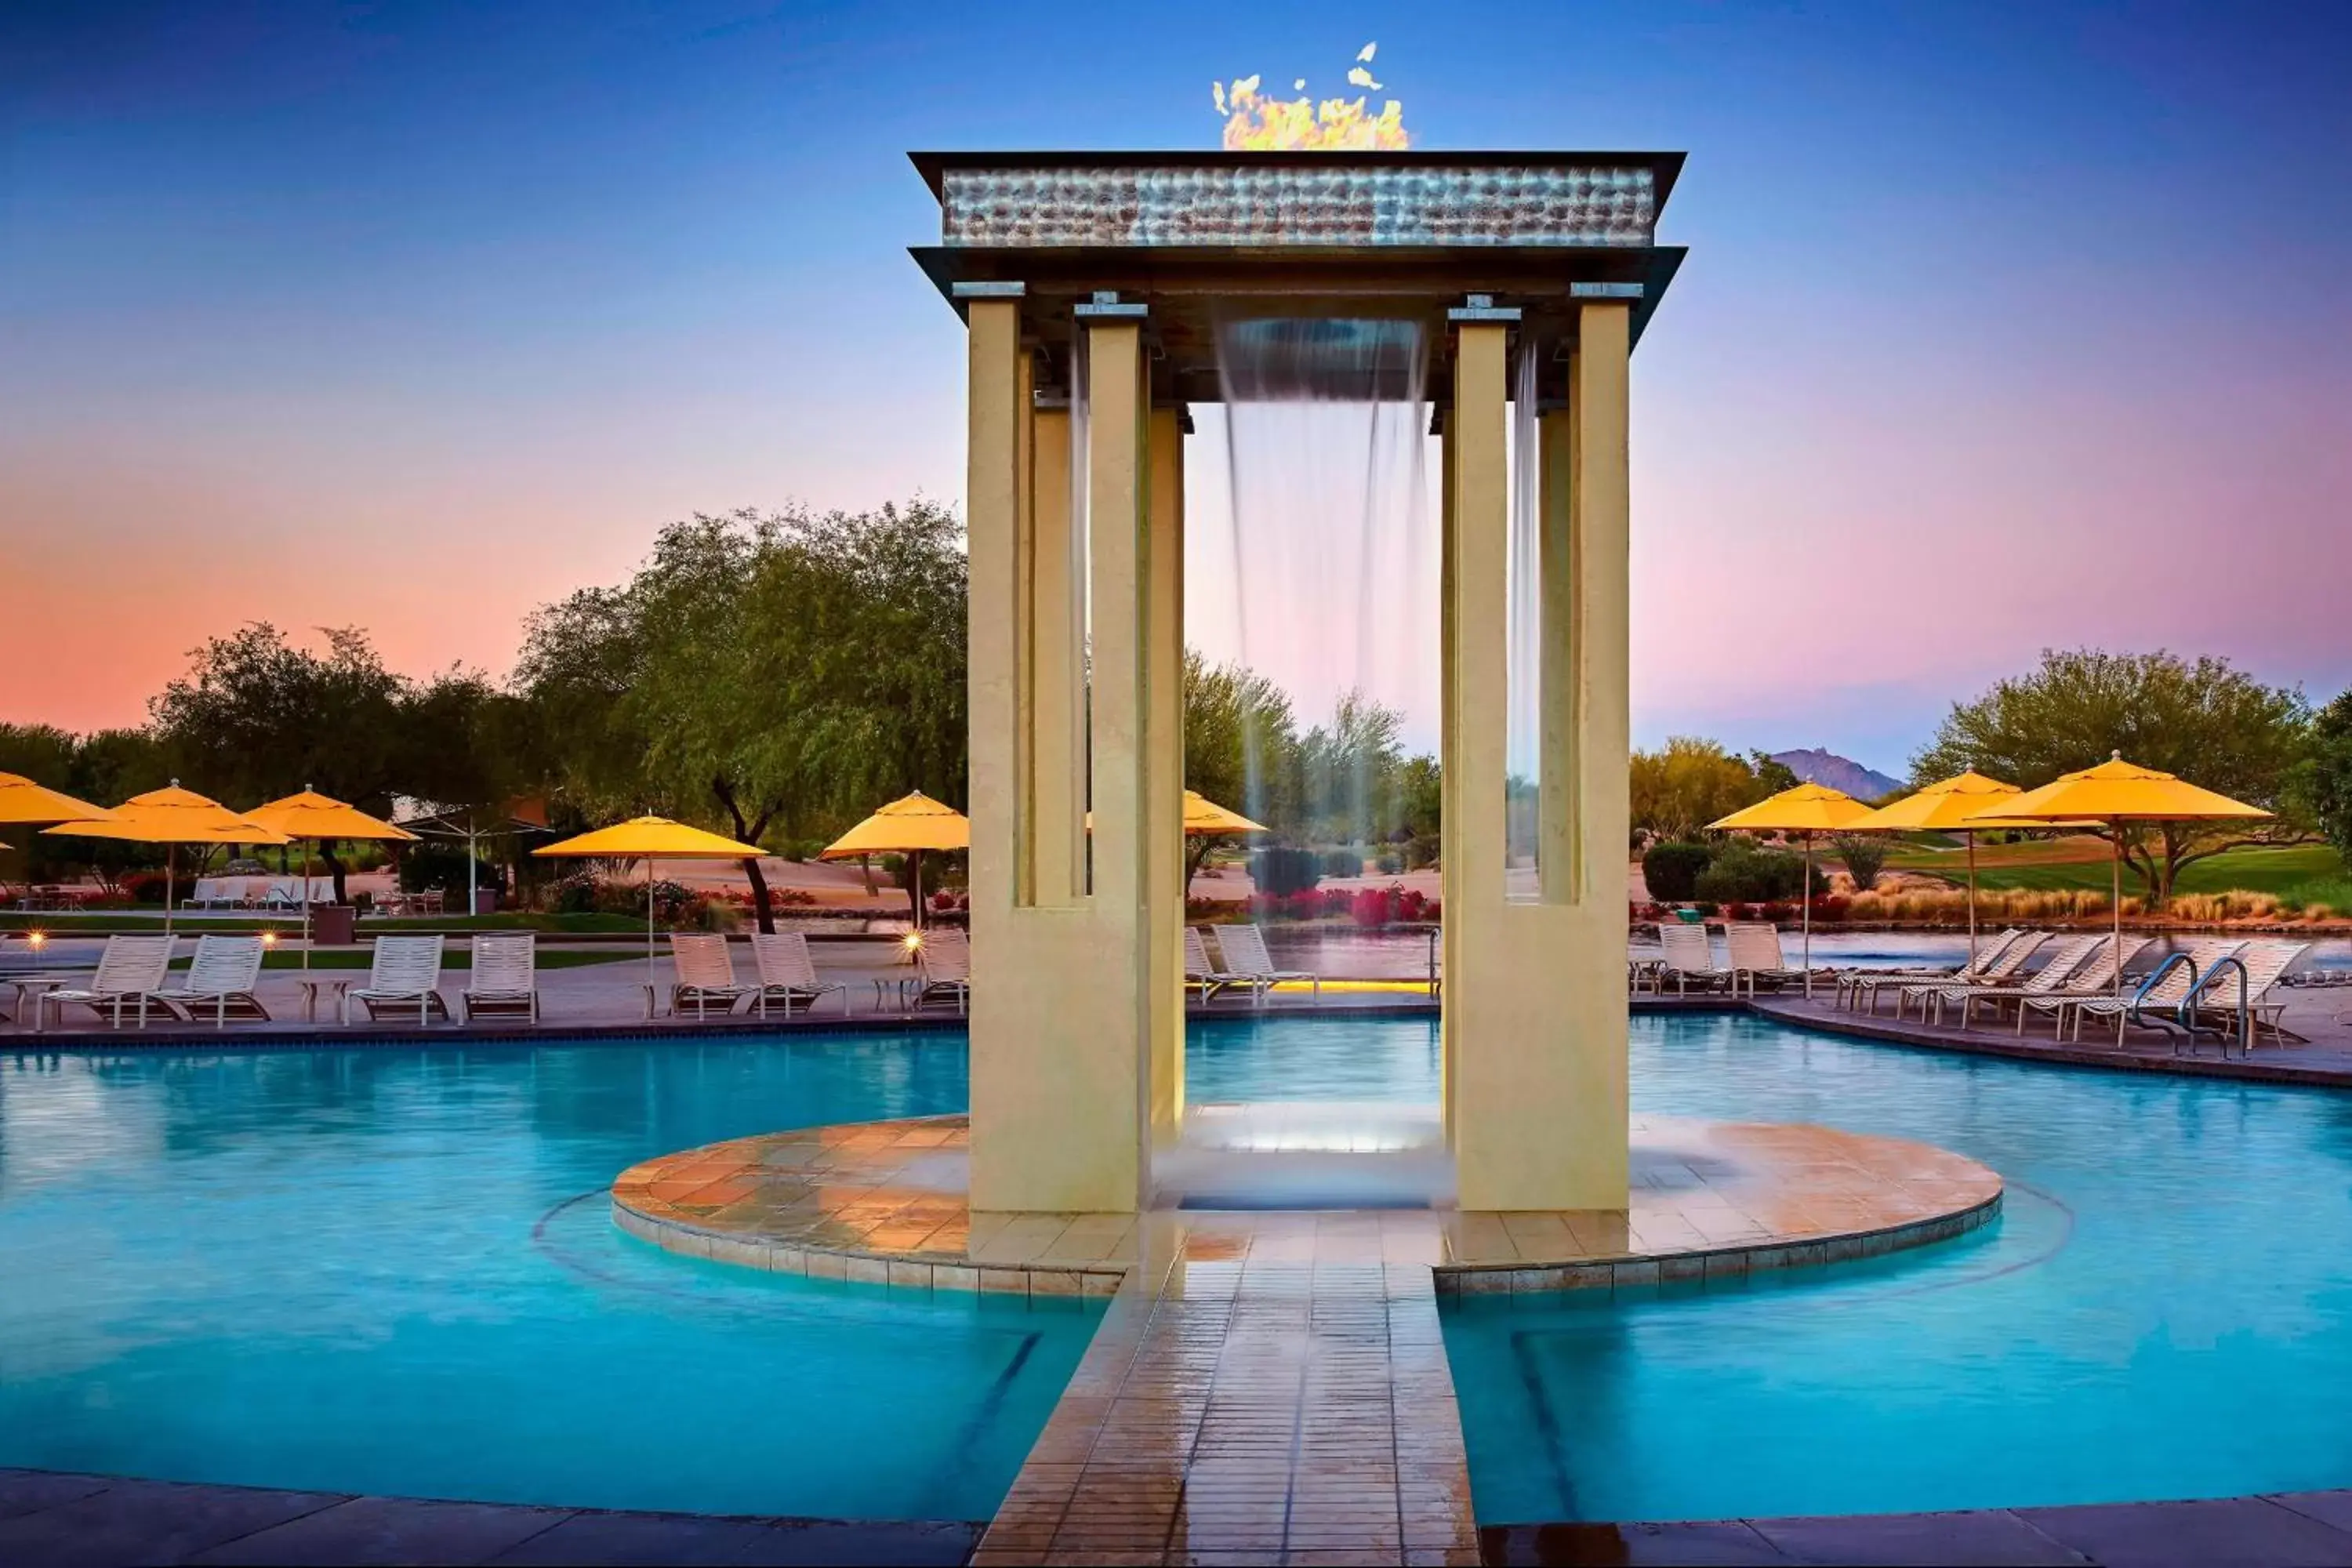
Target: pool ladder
2180,1019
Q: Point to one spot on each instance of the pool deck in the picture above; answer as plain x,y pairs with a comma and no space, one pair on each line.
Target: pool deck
2322,1016
1272,1383
607,1001
69,1520
63,1520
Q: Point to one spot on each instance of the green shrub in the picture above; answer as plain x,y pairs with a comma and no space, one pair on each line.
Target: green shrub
1282,871
1864,859
1342,863
573,896
1672,871
1741,873
1391,863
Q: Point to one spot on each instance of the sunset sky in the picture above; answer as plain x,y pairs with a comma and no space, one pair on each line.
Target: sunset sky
2004,326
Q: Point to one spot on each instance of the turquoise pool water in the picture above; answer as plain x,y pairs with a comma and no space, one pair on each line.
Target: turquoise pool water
391,1271
2164,1311
394,1270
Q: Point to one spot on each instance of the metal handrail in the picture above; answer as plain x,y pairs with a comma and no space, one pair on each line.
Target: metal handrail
2187,1009
2155,976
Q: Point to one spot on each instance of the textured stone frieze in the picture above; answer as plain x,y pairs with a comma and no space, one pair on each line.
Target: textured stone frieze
1291,205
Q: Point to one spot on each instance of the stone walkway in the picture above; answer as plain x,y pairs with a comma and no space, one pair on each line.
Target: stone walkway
1267,1409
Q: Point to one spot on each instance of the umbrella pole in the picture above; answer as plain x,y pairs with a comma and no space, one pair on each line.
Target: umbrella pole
651,985
1970,834
306,902
2115,830
170,856
1806,893
919,889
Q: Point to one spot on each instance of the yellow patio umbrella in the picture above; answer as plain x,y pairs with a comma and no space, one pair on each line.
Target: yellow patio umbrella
171,818
650,839
1950,805
2115,793
907,825
23,801
1204,818
1203,815
315,818
1807,811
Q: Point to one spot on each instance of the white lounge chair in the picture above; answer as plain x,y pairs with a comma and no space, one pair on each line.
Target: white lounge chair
706,973
788,971
2169,990
944,967
406,973
1207,977
1857,986
131,969
1999,972
2266,963
1689,956
2062,959
2095,976
221,980
1242,948
1753,952
504,982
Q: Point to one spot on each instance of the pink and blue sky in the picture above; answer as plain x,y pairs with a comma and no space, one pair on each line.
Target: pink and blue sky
2005,325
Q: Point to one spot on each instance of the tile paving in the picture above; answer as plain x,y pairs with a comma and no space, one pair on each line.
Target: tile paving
1241,1512
885,1201
58,1520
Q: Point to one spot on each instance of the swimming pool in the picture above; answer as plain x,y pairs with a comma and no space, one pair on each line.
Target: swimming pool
2164,1311
390,1269
394,1270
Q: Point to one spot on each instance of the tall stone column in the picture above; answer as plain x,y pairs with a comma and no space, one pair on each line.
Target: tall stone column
1066,1023
1164,773
1535,989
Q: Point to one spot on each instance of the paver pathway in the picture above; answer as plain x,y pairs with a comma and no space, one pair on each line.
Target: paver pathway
1273,1408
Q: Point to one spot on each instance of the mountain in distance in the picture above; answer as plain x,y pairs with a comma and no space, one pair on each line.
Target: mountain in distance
1822,766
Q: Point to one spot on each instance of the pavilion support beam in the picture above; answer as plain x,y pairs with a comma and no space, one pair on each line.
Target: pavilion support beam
1063,1022
1164,861
1450,822
1052,638
1535,990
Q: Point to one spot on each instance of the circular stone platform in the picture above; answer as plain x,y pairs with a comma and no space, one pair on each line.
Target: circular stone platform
883,1202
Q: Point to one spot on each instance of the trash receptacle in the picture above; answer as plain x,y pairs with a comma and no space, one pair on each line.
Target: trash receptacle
330,925
486,900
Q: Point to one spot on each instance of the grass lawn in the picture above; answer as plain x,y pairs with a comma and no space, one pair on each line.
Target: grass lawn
2304,870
